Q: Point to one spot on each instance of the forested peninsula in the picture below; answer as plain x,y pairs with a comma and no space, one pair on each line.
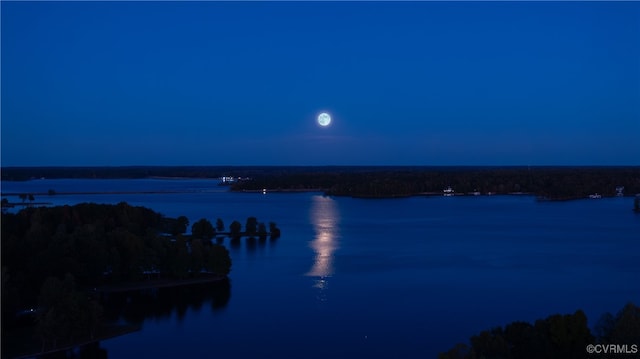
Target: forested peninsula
57,260
545,182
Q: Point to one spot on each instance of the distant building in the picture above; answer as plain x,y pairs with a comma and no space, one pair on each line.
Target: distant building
227,180
448,192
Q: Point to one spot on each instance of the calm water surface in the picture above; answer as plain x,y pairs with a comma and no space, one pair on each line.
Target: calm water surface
397,278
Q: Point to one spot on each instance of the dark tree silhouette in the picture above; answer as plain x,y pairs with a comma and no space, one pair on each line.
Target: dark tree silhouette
219,225
219,260
274,230
65,313
198,252
624,328
557,336
235,229
203,229
252,226
183,223
262,231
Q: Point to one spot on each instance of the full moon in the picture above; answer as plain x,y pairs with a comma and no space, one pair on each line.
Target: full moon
324,119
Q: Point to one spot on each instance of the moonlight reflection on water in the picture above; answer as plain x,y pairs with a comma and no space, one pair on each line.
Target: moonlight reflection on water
325,219
521,259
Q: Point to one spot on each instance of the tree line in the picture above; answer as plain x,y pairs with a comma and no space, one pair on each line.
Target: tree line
545,182
557,336
203,229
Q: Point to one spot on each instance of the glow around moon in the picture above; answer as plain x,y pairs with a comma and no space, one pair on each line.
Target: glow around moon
324,119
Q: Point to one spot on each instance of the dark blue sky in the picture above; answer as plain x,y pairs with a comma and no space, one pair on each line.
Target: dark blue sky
241,83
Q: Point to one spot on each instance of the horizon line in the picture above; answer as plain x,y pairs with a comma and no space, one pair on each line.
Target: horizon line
316,165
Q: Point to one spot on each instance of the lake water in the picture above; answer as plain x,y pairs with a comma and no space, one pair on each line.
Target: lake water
384,278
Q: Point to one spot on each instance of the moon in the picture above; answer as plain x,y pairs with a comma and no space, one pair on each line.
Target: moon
324,119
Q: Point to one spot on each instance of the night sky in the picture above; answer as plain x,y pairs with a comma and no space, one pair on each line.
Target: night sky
241,83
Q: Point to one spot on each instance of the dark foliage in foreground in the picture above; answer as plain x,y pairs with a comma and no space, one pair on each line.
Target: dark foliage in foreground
557,336
52,255
48,251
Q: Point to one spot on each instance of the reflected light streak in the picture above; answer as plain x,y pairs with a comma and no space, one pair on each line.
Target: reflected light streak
325,219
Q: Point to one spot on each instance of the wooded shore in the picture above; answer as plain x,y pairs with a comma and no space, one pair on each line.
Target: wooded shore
546,182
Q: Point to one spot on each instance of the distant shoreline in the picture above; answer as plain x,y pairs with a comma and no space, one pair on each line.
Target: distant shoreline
547,183
279,190
94,192
180,178
23,173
